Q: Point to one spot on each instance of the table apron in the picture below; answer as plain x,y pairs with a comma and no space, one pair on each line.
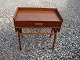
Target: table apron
37,24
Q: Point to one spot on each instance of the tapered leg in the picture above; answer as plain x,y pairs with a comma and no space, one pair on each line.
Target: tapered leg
19,41
20,29
55,32
51,32
54,40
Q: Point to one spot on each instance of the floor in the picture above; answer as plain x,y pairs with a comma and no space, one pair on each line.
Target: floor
38,47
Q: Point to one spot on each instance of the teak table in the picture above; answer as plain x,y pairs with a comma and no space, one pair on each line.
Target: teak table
29,17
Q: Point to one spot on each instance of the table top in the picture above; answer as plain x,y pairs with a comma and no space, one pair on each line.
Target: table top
37,14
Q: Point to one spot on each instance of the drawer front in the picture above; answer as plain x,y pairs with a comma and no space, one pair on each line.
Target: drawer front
47,24
37,24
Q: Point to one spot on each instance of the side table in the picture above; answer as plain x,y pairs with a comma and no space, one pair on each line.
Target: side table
29,17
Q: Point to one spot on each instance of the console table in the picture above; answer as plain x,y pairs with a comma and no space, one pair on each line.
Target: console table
29,17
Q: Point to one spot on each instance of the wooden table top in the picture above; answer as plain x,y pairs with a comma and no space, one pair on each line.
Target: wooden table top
37,14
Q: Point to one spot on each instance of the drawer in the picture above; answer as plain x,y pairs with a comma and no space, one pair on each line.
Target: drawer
37,24
47,24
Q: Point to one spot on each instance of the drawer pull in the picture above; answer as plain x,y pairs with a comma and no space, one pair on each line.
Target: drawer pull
38,23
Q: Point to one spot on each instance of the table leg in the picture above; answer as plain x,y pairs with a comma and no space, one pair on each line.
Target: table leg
51,32
55,32
19,41
20,29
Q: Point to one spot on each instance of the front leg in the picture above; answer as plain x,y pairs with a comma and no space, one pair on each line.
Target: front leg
19,40
55,32
51,31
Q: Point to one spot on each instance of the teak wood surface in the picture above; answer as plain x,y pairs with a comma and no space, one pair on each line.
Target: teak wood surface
29,17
